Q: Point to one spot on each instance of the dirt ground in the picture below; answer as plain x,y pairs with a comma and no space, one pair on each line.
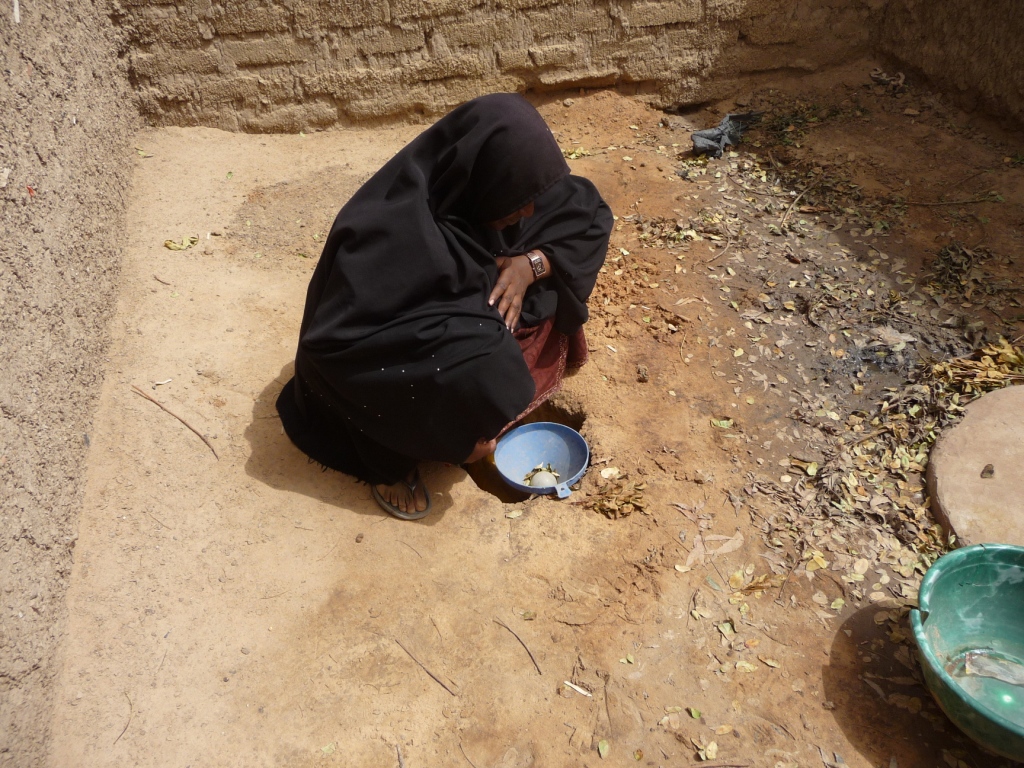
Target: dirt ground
246,608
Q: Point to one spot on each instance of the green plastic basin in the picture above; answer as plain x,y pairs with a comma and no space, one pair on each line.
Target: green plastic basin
972,608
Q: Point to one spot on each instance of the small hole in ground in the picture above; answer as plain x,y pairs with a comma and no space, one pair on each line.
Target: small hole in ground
485,474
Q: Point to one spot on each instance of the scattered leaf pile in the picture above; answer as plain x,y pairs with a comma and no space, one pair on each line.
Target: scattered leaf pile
959,271
889,449
617,497
575,153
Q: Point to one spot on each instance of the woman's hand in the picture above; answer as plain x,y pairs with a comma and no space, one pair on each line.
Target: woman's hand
515,275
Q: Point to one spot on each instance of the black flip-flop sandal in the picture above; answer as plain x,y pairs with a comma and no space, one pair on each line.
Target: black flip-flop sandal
394,511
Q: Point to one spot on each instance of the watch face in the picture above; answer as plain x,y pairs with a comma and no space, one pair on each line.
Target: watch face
538,265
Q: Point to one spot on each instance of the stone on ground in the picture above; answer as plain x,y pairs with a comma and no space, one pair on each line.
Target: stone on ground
974,475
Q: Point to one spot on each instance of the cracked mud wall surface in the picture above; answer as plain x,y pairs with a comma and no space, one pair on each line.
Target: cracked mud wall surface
973,51
287,65
64,125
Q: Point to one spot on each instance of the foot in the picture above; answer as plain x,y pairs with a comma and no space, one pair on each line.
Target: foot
483,448
402,495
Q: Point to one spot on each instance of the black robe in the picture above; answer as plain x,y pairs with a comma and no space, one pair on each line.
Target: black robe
400,358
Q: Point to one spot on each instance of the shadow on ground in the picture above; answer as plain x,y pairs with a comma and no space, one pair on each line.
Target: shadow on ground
884,710
276,462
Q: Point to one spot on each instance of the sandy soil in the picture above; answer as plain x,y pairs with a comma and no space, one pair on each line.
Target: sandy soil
248,609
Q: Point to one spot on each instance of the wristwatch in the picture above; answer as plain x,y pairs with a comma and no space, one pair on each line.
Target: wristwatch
536,262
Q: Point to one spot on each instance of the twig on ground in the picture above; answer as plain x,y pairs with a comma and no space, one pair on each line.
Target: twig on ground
796,200
164,408
165,525
786,581
434,677
501,623
401,760
463,750
581,691
969,201
714,565
752,191
131,711
766,634
964,180
721,253
837,582
160,280
410,546
331,549
869,436
607,709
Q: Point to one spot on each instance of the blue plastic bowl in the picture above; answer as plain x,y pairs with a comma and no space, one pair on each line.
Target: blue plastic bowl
542,442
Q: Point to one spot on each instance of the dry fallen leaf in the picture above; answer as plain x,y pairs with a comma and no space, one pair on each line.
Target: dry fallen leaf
184,245
887,336
737,579
731,544
817,561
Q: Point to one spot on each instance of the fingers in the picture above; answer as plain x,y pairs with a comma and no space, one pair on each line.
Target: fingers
499,290
507,298
512,316
510,306
504,279
507,294
508,291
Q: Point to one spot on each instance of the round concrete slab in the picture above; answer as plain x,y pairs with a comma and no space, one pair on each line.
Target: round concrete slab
976,470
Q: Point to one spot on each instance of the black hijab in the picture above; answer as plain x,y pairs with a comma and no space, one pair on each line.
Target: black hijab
400,357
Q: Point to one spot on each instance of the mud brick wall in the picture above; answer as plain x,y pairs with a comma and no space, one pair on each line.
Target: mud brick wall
65,123
286,65
974,51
